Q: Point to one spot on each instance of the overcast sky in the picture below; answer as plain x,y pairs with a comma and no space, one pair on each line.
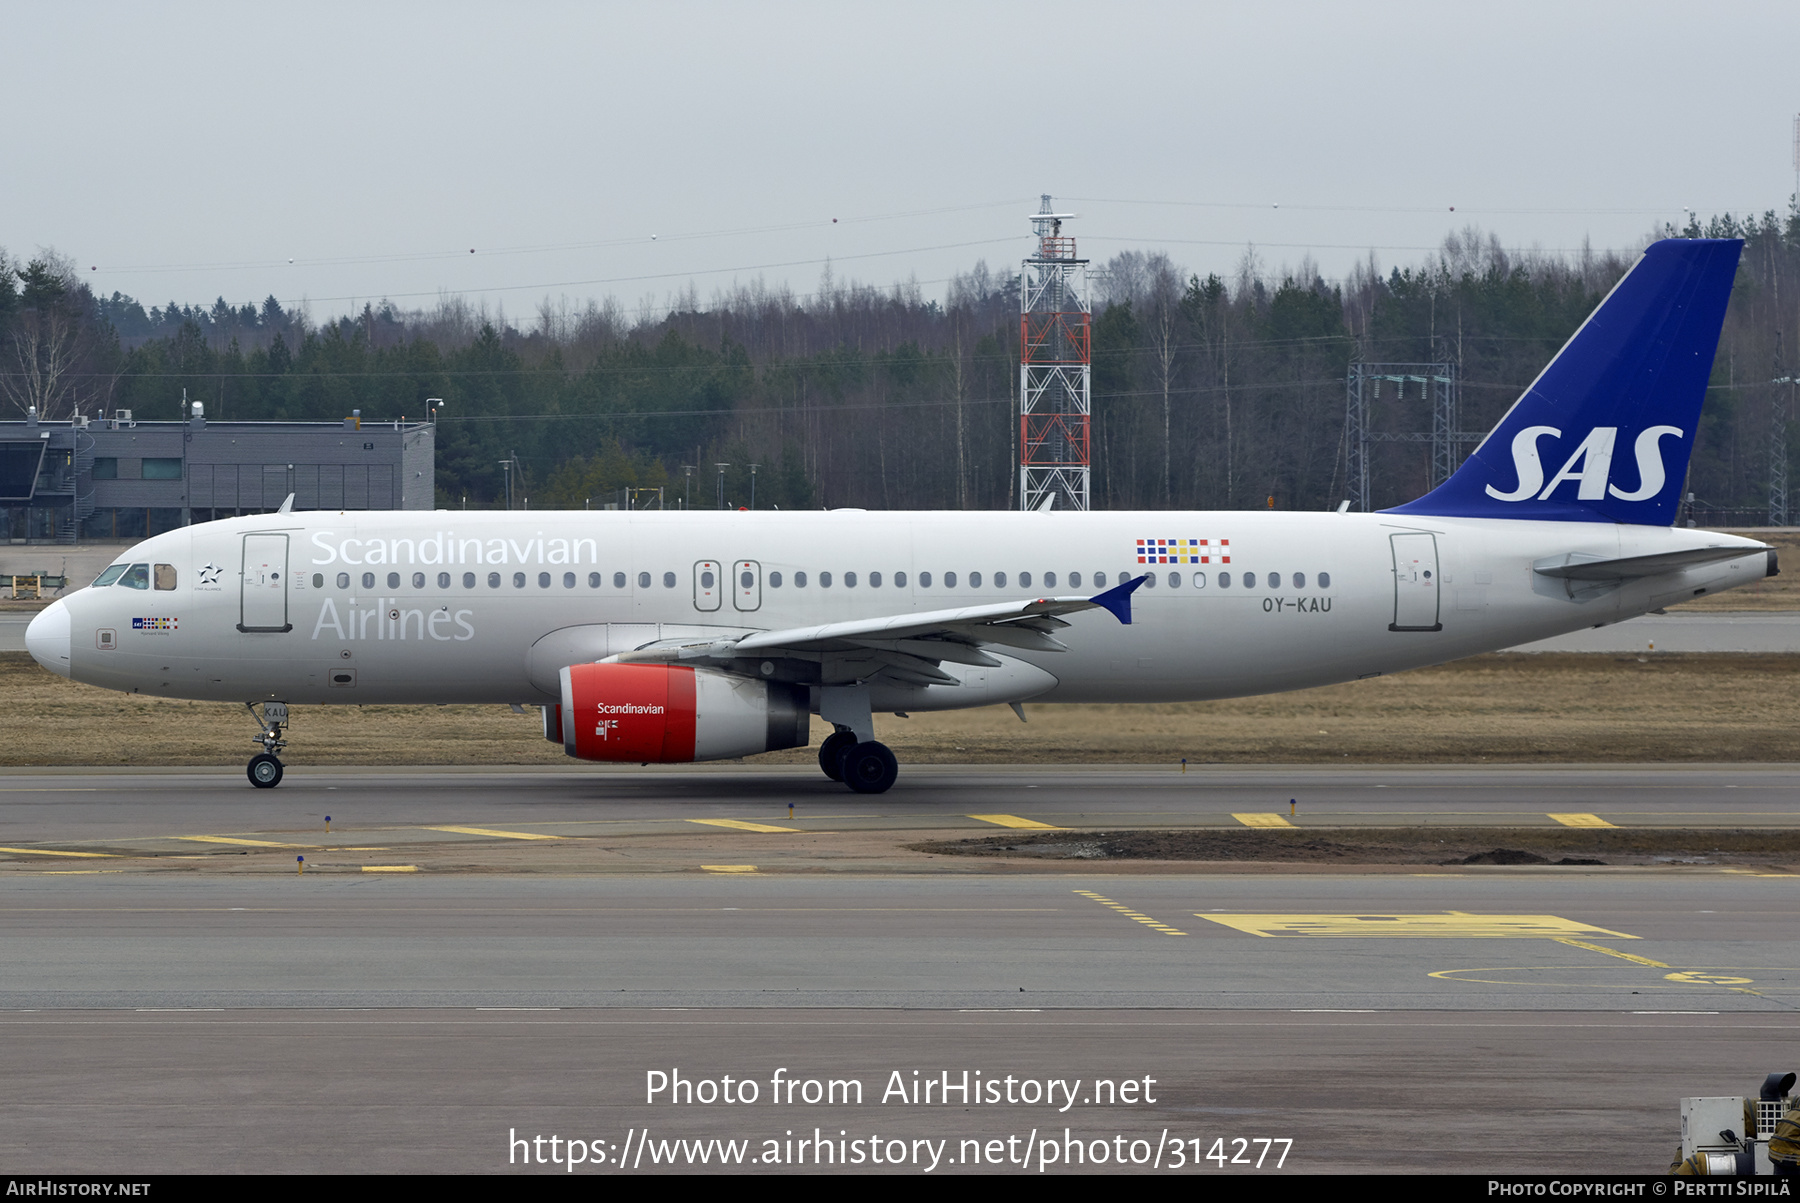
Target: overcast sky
338,153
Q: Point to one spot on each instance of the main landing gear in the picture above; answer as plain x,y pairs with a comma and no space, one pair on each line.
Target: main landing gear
865,766
264,769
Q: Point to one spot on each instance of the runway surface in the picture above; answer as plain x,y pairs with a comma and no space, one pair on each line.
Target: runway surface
175,997
162,811
1464,940
440,1091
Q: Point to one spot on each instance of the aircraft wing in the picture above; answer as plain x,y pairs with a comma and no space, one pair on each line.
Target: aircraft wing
906,647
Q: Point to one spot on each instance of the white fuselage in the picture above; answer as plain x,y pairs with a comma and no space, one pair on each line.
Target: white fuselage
455,607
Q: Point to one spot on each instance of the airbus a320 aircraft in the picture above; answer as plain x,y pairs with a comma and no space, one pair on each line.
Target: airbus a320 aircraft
670,637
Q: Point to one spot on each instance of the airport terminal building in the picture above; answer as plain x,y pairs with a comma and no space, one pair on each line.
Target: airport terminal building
116,478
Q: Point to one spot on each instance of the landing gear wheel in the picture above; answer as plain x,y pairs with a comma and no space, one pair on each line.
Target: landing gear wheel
831,753
869,768
264,771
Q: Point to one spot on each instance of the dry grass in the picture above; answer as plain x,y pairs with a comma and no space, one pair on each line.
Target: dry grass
1501,708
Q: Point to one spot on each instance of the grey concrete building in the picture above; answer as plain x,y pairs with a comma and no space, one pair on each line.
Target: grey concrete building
115,478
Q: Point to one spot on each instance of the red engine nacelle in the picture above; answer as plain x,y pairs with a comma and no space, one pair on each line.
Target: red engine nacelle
663,714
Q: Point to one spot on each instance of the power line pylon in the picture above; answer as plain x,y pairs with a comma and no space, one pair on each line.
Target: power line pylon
1055,367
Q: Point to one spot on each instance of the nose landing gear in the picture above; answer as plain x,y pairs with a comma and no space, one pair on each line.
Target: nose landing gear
264,769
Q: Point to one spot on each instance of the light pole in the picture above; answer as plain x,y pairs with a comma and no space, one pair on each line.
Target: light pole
506,466
721,468
753,468
432,405
687,486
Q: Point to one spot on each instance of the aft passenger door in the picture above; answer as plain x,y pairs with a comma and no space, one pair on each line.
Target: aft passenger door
1415,583
263,588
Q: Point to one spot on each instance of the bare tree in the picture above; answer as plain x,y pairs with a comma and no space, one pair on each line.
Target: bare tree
1162,320
52,352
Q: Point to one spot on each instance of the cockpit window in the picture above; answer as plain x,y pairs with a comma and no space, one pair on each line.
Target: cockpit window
109,576
165,576
136,577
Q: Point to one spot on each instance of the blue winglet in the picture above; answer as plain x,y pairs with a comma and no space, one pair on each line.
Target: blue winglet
1117,600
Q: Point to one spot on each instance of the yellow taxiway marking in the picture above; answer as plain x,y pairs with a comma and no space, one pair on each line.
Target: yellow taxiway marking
1015,821
498,835
1263,820
740,825
390,868
1136,916
53,852
1612,952
729,868
1450,925
1696,978
226,839
1581,820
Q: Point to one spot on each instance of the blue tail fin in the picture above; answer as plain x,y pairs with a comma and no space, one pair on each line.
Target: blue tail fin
1604,433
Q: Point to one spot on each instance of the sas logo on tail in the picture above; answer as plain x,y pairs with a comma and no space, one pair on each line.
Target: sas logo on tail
1590,465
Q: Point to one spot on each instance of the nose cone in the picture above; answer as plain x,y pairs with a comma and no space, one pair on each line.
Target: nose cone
47,638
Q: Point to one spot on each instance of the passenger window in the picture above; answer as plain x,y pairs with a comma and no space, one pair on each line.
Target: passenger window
849,580
1249,580
1199,580
136,577
1149,580
974,580
1274,580
1074,580
668,580
824,580
1174,580
1025,580
393,580
999,580
1324,580
1099,579
109,576
1224,580
949,580
418,580
874,580
899,580
774,580
1299,580
165,576
493,580
568,580
368,580
594,580
706,579
518,580
924,580
618,580
543,580
443,580
468,580
643,580
343,580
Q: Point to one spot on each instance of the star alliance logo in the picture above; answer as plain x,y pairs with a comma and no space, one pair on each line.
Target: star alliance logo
209,575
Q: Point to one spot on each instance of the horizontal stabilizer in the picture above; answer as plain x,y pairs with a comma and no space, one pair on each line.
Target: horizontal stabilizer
1633,567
